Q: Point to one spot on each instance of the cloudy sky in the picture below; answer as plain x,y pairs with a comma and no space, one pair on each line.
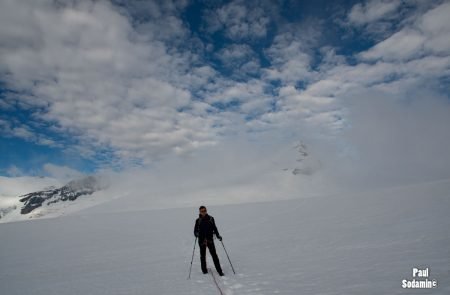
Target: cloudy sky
87,86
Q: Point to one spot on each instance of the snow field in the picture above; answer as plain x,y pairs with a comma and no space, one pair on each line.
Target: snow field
344,244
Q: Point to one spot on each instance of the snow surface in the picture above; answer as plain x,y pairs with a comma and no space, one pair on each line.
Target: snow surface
363,243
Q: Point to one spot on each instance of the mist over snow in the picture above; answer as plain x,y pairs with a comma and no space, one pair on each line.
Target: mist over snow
13,186
225,174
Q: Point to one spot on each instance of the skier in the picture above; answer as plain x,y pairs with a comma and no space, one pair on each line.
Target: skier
204,229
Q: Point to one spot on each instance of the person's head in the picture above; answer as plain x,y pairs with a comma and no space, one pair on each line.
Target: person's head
202,210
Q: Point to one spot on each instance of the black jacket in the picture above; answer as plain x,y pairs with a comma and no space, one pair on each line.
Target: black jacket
205,228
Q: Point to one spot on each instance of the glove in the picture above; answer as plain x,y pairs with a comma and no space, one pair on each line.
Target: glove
220,238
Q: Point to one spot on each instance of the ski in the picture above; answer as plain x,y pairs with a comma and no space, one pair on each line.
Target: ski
215,281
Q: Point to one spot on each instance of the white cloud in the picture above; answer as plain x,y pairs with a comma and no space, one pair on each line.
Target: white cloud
303,97
62,173
240,20
235,53
14,128
240,91
100,80
435,25
291,53
403,45
372,10
22,132
423,34
241,59
14,171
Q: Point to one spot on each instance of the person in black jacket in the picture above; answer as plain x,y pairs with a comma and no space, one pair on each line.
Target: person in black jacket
204,229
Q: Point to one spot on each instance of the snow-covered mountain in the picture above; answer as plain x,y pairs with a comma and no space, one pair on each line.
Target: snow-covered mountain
69,192
51,200
304,163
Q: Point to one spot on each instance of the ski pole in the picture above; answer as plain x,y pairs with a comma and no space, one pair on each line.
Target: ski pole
228,257
192,259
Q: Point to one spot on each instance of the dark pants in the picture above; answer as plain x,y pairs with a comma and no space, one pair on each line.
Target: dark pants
212,251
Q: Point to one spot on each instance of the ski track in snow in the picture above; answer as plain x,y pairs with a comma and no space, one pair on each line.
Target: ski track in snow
345,244
215,281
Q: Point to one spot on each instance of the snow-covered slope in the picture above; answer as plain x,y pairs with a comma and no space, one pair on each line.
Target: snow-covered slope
364,243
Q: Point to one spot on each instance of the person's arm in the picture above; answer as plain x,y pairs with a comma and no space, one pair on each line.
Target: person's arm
216,230
196,228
